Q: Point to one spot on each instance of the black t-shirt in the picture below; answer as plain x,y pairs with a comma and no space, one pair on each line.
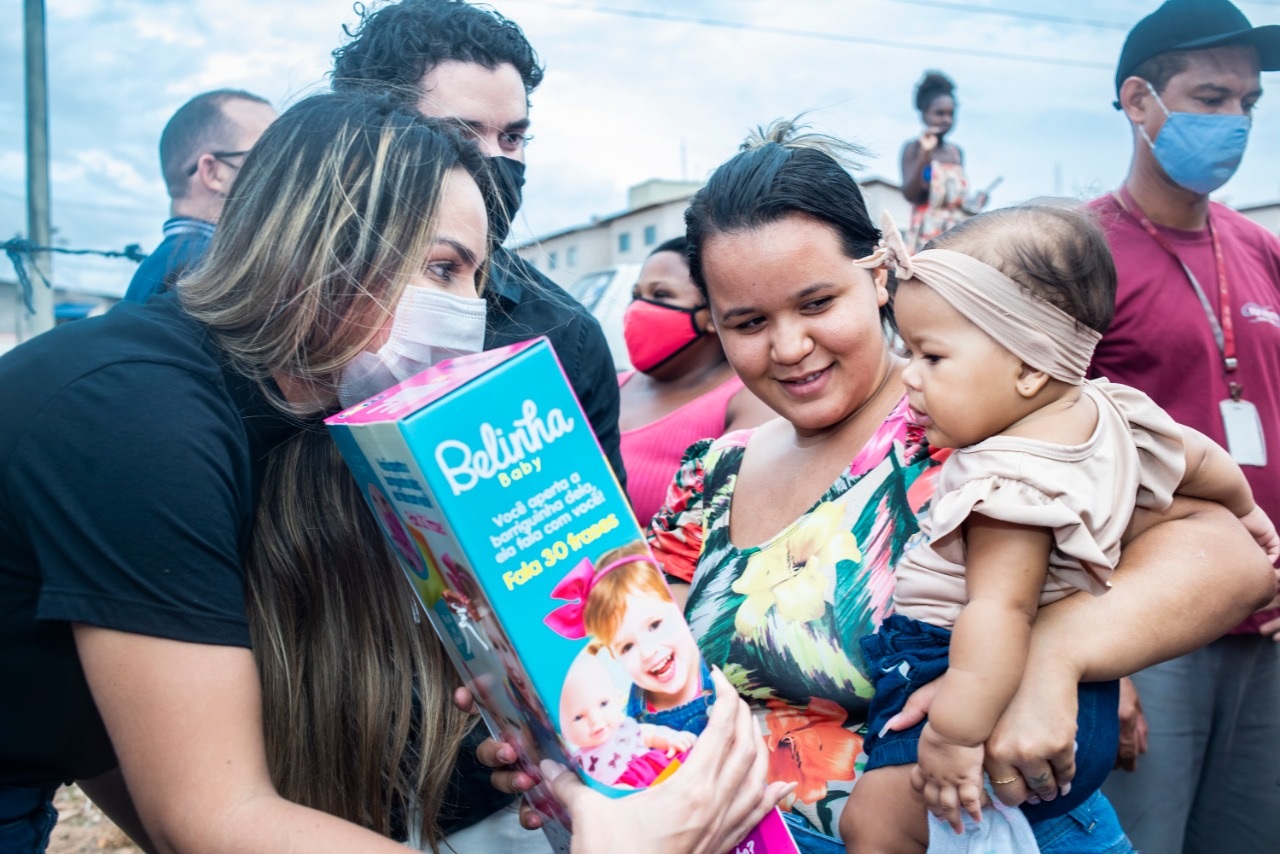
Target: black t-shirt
129,460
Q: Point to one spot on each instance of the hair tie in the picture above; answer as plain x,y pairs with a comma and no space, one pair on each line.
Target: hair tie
1043,336
890,251
567,620
1039,333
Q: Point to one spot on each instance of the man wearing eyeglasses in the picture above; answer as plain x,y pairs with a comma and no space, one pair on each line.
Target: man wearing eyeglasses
201,151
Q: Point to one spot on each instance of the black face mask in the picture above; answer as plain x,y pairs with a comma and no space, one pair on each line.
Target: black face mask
504,196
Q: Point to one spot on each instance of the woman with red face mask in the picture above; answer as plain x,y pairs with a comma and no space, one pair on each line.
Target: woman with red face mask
683,389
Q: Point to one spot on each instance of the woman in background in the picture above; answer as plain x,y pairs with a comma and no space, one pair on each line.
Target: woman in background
683,388
933,179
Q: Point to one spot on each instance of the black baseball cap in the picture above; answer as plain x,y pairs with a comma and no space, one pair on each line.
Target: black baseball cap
1195,25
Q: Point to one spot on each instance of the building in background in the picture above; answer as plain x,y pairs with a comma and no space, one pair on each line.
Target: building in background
655,212
1266,215
597,263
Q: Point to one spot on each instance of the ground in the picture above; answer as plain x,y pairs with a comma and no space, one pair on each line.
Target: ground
83,829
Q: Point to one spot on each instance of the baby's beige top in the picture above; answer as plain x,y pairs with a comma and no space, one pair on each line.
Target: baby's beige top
1086,493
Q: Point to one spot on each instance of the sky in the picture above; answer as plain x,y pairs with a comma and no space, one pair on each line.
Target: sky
633,90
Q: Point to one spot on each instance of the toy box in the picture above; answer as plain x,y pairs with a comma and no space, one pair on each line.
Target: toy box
507,519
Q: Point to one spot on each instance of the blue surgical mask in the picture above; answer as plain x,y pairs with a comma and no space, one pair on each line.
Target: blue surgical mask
1199,151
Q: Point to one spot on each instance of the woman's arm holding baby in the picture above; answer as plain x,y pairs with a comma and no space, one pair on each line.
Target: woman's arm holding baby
1212,474
1005,566
1190,574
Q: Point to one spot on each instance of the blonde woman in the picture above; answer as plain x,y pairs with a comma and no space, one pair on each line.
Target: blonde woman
130,485
357,691
130,482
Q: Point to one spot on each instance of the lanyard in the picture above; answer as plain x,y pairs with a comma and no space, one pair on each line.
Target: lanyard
1221,323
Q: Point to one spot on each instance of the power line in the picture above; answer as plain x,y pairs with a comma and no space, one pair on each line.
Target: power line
20,251
1041,16
814,34
1016,13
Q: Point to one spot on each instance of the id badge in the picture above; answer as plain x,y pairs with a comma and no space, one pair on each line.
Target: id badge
1244,432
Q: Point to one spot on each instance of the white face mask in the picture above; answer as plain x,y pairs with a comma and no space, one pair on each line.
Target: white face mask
429,327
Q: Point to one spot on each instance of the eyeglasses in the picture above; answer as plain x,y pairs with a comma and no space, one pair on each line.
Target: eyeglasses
218,155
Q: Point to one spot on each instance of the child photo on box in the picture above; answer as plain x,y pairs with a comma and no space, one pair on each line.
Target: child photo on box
604,741
626,608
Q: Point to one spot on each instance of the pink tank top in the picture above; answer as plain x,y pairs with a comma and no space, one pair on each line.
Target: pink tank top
652,453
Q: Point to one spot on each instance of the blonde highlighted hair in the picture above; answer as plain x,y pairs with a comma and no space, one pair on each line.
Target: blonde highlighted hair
356,690
332,212
606,604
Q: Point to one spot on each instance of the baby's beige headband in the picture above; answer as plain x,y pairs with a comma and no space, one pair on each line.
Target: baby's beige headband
1040,334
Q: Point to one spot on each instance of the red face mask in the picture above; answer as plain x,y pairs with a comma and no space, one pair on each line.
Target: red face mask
656,332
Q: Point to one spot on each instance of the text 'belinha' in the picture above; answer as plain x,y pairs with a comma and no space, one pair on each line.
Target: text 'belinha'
464,466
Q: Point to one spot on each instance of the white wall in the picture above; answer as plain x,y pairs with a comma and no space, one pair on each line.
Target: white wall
1268,216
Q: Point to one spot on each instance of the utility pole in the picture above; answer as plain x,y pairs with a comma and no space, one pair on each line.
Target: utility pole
38,229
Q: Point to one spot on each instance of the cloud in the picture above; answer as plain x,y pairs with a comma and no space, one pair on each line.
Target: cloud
118,173
624,99
618,106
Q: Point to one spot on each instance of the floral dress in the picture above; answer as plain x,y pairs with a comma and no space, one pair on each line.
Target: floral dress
783,619
946,208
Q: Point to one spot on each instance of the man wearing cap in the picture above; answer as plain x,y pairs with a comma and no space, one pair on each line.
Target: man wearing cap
1197,327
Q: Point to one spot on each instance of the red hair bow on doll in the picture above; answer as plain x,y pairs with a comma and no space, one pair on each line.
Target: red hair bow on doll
567,620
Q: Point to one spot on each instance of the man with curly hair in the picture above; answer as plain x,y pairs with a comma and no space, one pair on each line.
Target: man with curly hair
470,65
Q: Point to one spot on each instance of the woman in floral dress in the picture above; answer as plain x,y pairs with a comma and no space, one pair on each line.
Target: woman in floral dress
933,178
786,573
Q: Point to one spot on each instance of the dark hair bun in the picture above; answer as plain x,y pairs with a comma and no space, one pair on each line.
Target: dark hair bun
933,85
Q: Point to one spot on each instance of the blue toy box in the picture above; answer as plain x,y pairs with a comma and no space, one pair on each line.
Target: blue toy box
507,519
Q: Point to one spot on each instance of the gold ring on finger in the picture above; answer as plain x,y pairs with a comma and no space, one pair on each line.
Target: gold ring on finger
1007,780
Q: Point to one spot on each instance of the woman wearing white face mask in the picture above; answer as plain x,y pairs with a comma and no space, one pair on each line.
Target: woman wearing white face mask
130,483
430,325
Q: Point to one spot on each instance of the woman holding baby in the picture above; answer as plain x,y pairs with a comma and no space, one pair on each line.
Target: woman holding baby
787,534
